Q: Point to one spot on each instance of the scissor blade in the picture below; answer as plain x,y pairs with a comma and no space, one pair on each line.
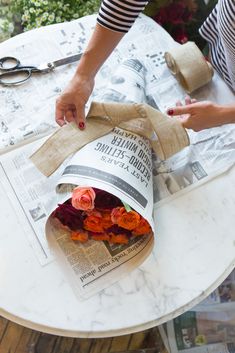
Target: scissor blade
47,67
67,60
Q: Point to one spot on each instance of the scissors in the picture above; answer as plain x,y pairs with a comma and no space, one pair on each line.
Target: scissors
12,73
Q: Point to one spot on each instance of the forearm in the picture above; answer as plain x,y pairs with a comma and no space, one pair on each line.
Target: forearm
115,18
226,114
100,46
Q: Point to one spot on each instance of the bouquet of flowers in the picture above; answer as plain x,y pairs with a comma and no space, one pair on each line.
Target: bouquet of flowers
181,18
95,214
100,223
176,16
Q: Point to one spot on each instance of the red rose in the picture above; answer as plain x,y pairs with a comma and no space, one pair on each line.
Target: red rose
180,35
162,16
175,13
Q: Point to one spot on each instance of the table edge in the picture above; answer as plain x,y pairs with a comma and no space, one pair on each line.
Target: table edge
117,332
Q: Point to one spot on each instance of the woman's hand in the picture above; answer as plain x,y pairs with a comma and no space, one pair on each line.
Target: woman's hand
200,115
70,106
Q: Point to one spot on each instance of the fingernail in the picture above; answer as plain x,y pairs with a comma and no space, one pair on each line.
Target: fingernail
81,125
170,111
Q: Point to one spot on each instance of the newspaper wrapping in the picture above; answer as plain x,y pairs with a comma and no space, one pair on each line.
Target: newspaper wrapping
119,163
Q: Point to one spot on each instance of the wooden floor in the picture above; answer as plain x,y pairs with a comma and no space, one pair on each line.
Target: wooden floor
18,339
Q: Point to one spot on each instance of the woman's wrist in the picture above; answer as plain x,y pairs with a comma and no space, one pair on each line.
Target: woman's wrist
88,66
226,114
100,46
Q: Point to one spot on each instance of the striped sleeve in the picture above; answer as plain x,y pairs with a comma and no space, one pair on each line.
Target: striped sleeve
219,32
119,15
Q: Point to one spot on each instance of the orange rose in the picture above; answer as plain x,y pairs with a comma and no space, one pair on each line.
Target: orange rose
106,219
118,238
93,224
83,198
93,213
116,214
127,220
142,228
100,236
81,236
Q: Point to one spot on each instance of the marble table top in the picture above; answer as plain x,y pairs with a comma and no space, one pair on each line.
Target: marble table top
194,252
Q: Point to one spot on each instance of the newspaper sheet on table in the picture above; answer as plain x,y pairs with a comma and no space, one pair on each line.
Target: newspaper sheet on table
36,98
135,71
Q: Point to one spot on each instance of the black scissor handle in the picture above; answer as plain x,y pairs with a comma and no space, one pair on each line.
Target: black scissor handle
15,77
13,63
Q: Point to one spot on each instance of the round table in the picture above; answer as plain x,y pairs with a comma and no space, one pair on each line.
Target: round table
194,252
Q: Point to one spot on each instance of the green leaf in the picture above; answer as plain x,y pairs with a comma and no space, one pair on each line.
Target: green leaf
127,207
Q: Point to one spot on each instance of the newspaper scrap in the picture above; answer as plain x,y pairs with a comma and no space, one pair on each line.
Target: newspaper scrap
203,332
208,327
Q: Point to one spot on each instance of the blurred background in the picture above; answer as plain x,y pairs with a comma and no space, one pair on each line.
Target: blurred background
181,18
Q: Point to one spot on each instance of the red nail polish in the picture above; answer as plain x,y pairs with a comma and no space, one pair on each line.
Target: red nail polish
170,112
81,125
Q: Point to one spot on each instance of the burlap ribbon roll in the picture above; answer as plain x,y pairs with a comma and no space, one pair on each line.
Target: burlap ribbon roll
189,66
101,119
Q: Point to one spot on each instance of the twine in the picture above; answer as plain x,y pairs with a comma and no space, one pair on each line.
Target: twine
141,119
188,65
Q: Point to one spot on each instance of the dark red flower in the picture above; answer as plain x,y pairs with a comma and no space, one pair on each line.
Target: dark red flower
115,229
69,216
180,35
105,200
187,16
161,17
175,13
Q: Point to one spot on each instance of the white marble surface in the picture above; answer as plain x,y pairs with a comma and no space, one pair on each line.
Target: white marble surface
194,252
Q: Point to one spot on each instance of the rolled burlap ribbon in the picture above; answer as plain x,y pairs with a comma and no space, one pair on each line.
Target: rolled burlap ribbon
189,66
101,119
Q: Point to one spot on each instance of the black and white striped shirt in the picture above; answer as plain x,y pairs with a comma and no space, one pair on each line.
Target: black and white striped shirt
119,15
218,29
219,32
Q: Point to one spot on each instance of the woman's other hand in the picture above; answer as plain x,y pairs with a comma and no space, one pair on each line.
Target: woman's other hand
198,115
